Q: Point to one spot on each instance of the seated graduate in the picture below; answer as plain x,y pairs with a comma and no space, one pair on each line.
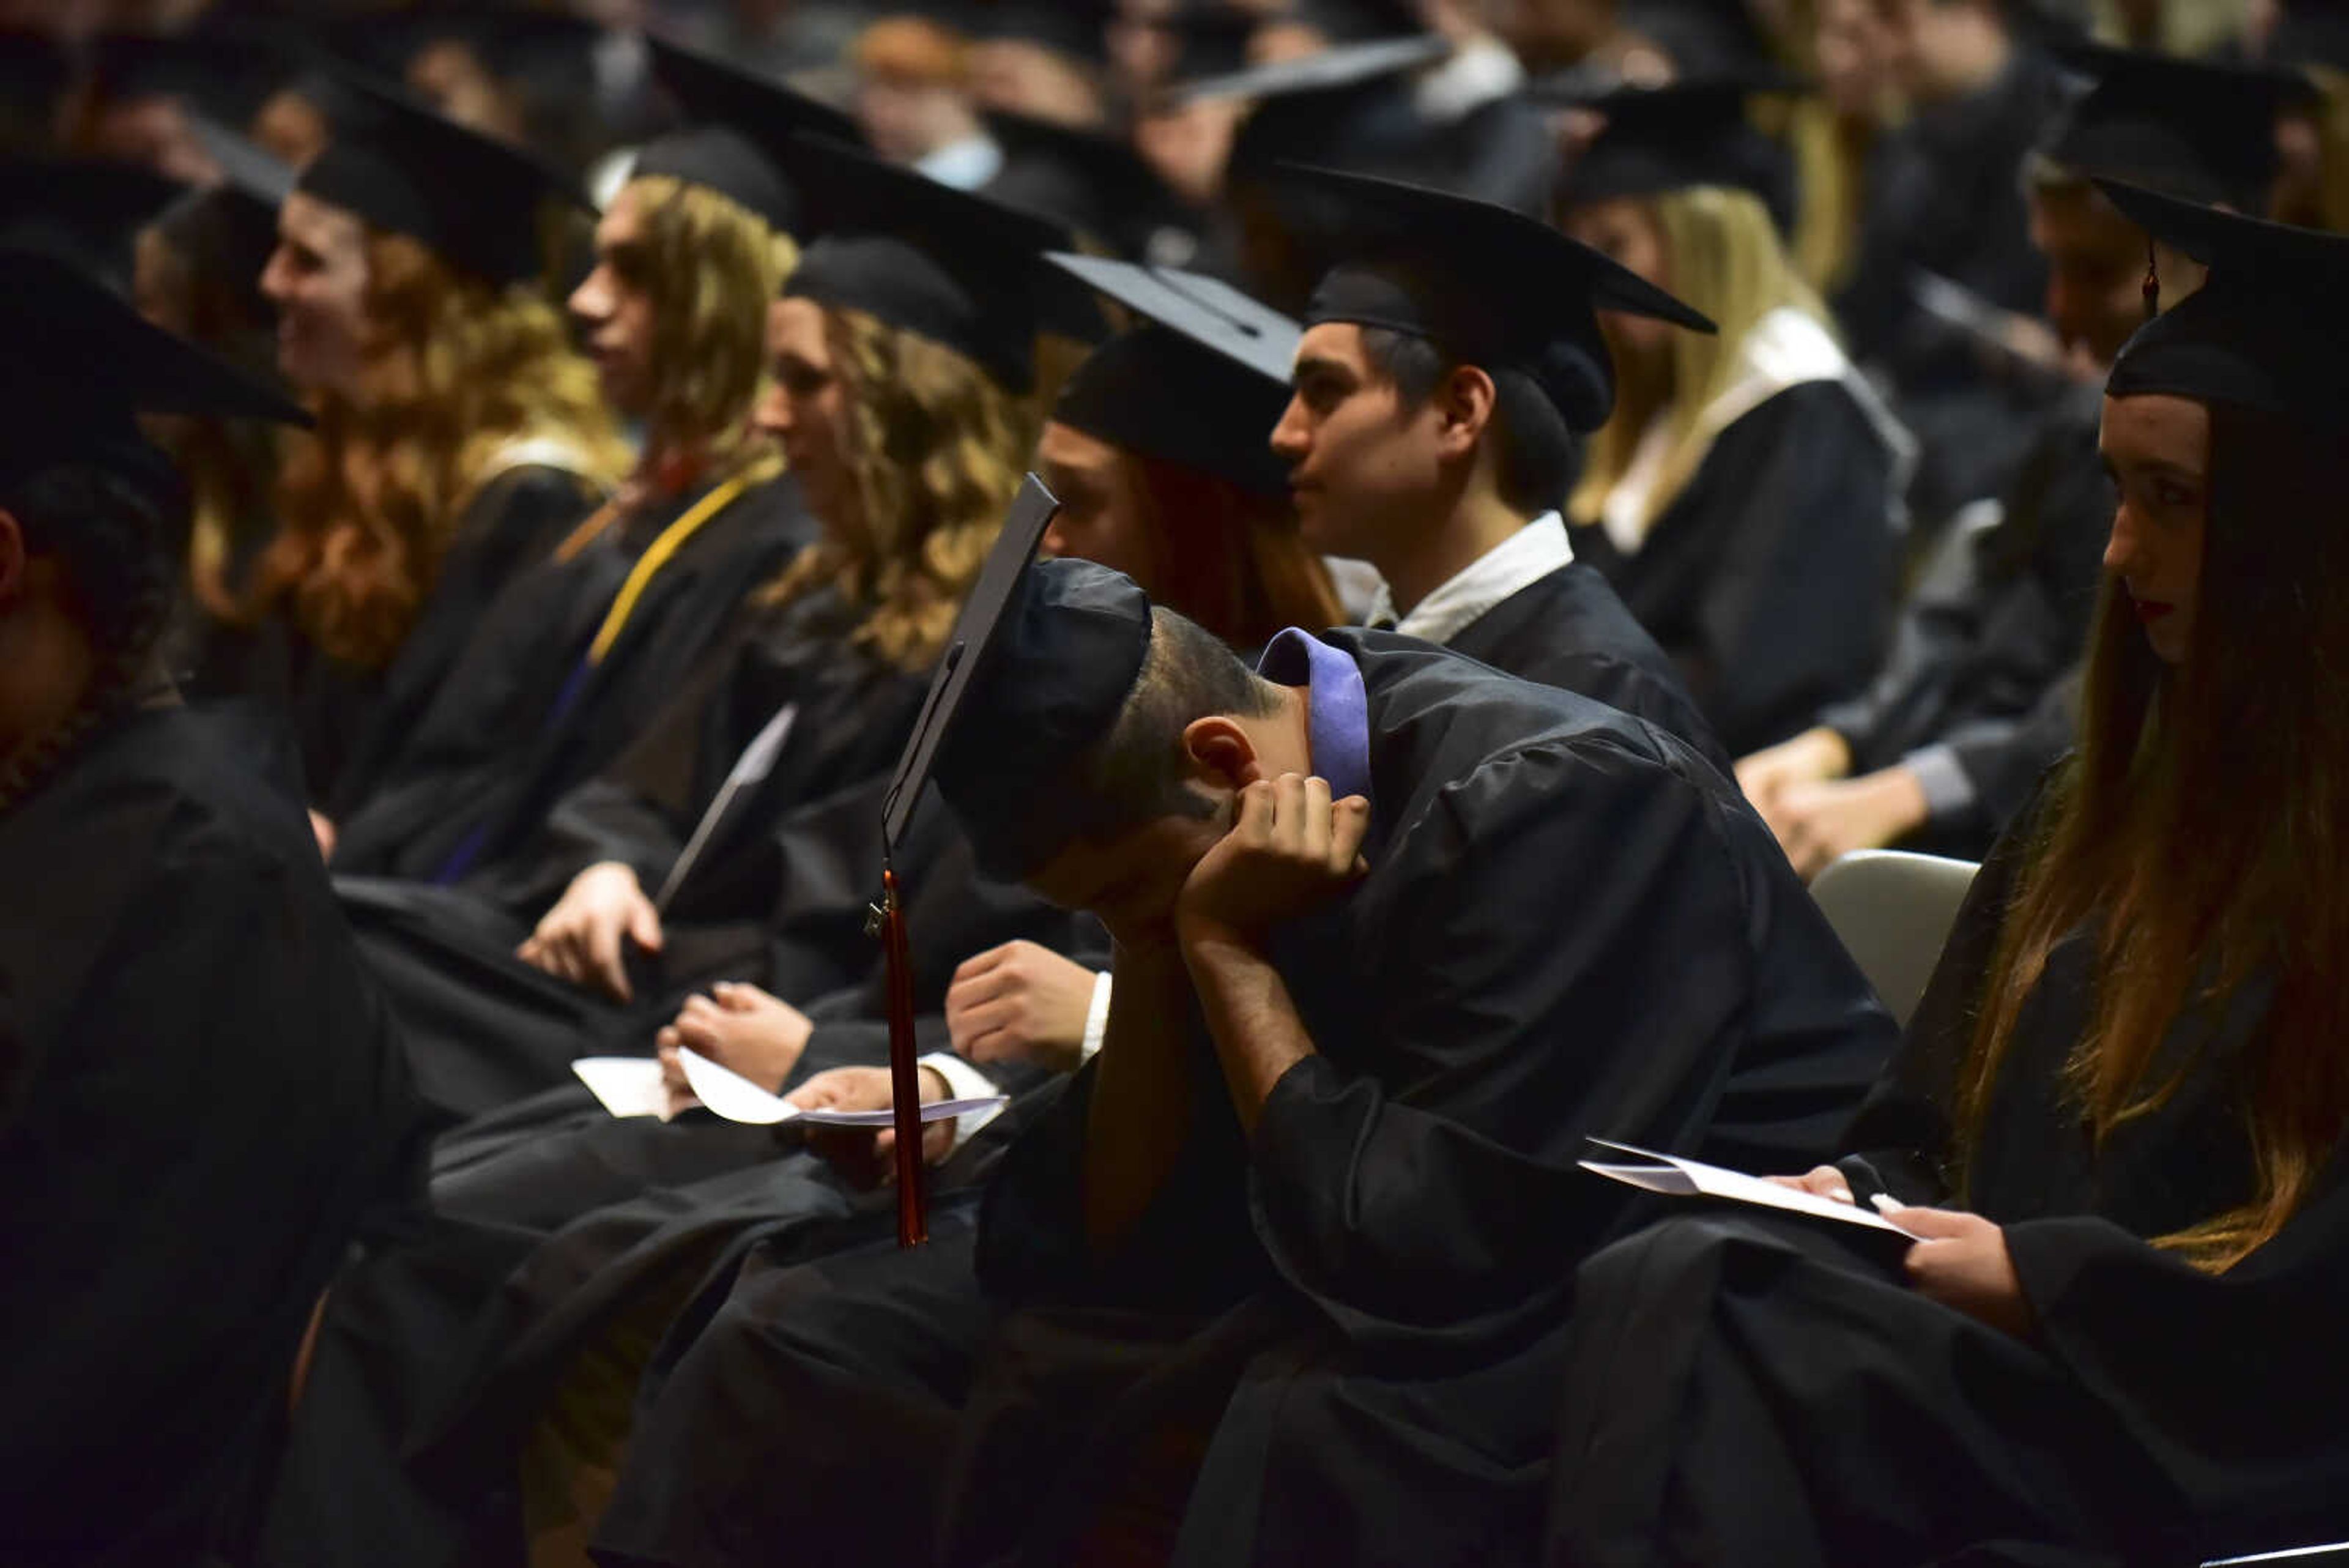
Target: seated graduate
1313,1206
565,1235
2119,1117
903,357
186,1038
578,657
1951,736
1432,433
458,433
1745,496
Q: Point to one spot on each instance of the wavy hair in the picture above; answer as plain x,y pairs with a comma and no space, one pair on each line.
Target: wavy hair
2195,831
1727,261
937,450
456,369
711,266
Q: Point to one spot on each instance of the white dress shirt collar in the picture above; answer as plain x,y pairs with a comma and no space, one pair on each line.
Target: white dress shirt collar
1524,557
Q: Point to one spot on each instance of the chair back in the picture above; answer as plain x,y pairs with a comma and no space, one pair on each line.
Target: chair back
1894,910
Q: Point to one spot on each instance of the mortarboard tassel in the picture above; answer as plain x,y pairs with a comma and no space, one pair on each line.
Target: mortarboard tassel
2152,282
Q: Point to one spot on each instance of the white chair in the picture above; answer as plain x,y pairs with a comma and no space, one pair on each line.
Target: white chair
1893,911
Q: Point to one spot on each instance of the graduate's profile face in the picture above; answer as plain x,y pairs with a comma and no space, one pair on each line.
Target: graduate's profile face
1361,465
1625,230
1100,517
318,279
614,305
806,411
2157,450
2095,272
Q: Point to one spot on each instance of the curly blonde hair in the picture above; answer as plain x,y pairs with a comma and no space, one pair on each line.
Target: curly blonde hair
711,267
456,370
938,450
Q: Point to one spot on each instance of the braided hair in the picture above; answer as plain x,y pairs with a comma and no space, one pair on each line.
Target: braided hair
118,525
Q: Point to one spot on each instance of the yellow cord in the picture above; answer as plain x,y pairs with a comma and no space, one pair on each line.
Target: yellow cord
656,554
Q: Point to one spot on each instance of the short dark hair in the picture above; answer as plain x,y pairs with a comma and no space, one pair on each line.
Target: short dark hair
1135,773
1536,457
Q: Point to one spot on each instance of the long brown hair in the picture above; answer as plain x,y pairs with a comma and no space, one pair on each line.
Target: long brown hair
1231,560
2201,825
456,370
711,267
938,448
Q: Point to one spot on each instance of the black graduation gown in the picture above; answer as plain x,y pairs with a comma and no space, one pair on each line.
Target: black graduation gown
526,719
2157,1414
1973,658
350,722
564,1236
1770,578
202,1102
1388,1265
1571,630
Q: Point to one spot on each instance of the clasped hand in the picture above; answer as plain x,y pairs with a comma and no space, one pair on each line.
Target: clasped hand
1290,849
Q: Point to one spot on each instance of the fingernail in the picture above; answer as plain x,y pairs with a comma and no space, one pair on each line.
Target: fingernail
1885,1202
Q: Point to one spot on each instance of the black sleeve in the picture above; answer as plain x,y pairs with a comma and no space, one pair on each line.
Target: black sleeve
1794,609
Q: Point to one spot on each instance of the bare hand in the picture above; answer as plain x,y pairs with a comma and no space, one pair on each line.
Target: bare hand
1020,1002
1963,1263
1817,824
1290,849
864,1156
583,937
743,1029
1815,756
1820,1181
681,1097
323,830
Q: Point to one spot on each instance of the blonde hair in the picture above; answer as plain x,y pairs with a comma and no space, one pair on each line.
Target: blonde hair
456,369
937,450
712,267
1727,262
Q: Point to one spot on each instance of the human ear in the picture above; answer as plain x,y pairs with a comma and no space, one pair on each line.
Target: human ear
1221,753
11,557
1464,406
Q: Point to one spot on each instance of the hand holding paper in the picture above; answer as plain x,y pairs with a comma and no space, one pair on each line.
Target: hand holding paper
1679,1178
631,1087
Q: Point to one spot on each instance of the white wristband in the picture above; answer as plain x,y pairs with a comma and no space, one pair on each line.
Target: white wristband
1096,1019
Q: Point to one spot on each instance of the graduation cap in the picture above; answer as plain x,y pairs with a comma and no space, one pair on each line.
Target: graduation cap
739,127
1493,286
1685,133
2268,330
2200,130
950,266
976,716
85,212
1096,183
82,364
1201,384
1353,107
475,200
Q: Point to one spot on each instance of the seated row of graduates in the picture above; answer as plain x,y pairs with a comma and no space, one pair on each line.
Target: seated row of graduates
1323,1229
